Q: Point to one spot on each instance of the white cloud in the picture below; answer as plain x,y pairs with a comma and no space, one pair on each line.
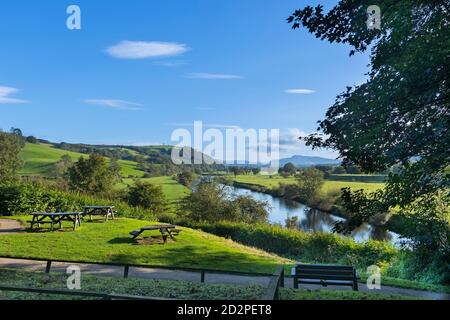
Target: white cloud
300,91
213,76
142,49
116,104
5,92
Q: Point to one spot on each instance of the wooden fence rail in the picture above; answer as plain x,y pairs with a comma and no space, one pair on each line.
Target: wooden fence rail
66,292
276,281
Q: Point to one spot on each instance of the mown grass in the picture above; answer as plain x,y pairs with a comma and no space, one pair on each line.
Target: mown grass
131,286
111,242
39,158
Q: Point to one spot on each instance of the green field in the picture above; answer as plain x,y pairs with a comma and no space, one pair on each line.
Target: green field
39,159
111,242
329,185
171,188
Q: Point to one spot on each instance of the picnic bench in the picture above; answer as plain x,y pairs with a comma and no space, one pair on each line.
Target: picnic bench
167,230
104,211
325,275
55,218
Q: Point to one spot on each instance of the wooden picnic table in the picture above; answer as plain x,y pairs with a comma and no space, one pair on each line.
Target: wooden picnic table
56,218
165,229
105,211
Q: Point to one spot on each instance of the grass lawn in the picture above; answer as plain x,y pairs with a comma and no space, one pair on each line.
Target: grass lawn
330,185
131,286
111,242
39,159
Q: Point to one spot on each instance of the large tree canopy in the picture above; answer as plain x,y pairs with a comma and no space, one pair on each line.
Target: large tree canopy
401,114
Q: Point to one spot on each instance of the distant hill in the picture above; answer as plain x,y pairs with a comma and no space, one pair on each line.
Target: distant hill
40,158
308,161
135,161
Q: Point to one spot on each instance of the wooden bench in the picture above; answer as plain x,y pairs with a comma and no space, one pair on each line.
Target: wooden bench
325,275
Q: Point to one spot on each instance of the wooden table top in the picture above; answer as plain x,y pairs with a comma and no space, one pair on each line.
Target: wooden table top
51,214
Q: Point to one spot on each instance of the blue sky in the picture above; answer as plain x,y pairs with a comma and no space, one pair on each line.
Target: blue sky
139,69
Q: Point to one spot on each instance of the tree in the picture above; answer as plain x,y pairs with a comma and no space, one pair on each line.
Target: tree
401,114
31,139
289,169
60,169
147,196
10,161
205,203
251,210
353,170
339,170
209,202
92,175
186,178
309,182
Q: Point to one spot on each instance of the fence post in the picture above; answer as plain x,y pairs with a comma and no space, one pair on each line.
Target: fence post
49,265
126,271
276,281
202,280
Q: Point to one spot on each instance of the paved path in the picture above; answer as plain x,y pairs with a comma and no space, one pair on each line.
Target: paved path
8,226
161,274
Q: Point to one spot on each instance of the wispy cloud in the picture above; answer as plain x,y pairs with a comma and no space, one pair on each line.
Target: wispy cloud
115,104
145,49
205,125
171,64
5,98
213,76
300,91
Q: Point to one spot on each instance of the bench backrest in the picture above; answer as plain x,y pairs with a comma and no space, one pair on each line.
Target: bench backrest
325,272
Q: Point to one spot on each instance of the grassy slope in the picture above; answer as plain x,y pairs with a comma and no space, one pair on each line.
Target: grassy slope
171,188
329,185
39,159
111,242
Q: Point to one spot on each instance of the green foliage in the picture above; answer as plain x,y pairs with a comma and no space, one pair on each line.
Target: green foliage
10,162
92,175
301,246
289,169
148,196
310,182
399,117
210,202
38,196
186,178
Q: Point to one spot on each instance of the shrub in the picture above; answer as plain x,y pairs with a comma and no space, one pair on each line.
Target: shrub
301,246
147,196
26,197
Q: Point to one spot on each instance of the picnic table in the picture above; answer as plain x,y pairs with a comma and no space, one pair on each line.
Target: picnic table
55,218
105,211
167,230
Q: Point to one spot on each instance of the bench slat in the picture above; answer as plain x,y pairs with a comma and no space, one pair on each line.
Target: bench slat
325,277
324,267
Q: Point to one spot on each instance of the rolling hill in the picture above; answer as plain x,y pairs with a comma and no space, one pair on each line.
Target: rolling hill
39,159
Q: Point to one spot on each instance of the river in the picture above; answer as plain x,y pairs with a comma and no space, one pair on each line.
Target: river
312,220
